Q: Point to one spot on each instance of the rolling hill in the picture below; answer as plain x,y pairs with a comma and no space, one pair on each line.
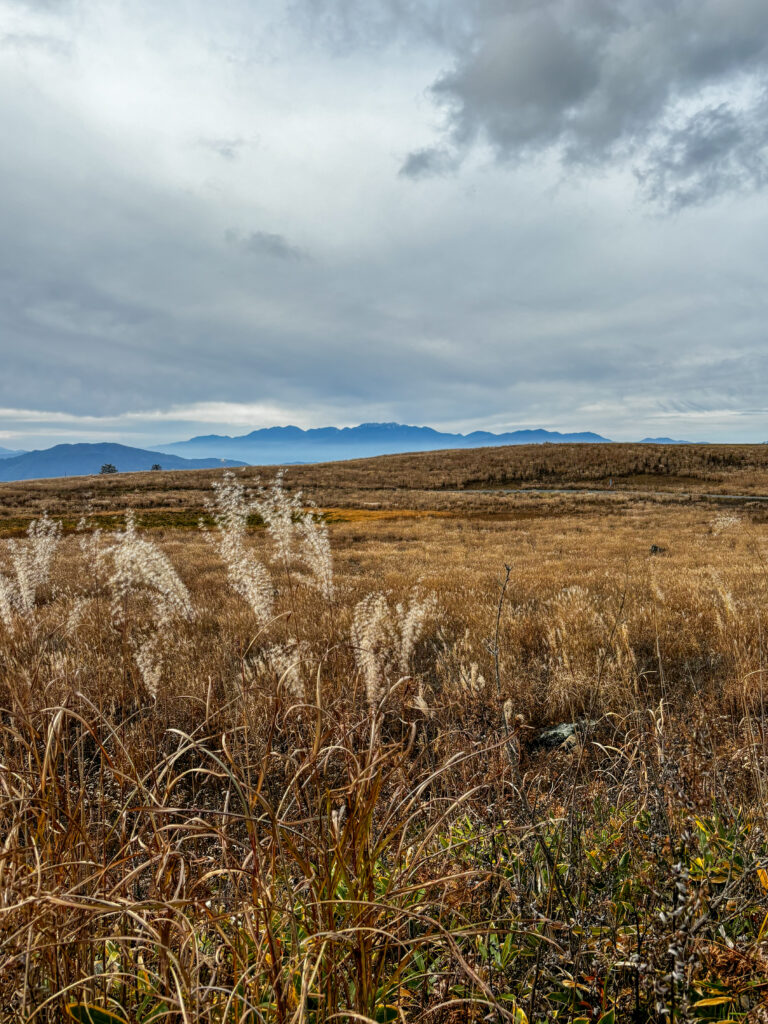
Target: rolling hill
87,459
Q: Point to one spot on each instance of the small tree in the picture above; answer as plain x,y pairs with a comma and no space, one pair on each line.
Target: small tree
108,467
156,465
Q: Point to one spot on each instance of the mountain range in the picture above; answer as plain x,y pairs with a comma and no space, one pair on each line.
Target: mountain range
284,445
85,459
280,446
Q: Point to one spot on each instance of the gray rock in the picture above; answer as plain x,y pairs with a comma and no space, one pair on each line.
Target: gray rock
566,735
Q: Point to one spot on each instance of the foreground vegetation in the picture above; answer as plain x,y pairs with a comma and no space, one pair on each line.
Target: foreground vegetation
281,769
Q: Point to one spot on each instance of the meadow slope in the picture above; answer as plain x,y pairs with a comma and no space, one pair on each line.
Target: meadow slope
292,766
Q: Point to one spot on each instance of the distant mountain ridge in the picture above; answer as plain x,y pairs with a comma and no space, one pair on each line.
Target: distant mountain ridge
87,459
9,453
666,440
280,445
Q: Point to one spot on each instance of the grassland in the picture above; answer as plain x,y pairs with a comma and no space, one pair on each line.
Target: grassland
453,481
229,800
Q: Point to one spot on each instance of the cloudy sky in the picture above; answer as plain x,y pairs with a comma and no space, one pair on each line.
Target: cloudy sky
462,213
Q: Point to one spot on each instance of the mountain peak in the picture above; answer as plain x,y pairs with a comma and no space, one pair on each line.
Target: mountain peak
84,459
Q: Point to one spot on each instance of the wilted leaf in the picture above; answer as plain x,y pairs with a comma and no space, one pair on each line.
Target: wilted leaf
713,1001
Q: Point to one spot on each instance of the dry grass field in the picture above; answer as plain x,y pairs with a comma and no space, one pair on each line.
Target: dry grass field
454,481
262,761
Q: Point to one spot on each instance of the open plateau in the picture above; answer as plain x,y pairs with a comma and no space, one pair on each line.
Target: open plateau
453,736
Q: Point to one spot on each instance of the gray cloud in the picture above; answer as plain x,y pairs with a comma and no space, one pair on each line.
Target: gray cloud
266,243
715,151
47,6
600,82
50,44
424,163
227,149
371,24
658,86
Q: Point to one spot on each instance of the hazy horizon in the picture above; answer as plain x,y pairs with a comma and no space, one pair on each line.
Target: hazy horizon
159,443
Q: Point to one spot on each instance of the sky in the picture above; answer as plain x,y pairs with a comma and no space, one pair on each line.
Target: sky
470,214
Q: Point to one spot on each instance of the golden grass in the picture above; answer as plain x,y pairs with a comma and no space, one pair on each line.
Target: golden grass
416,481
249,845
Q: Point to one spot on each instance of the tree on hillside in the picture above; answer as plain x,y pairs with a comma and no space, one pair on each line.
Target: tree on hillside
156,465
108,467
